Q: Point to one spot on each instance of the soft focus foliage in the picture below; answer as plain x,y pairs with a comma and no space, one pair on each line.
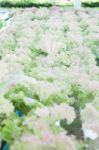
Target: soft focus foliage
49,80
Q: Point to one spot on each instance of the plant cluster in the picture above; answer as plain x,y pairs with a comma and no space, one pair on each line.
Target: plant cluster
49,80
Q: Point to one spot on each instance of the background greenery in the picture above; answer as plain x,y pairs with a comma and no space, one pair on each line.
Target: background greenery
89,3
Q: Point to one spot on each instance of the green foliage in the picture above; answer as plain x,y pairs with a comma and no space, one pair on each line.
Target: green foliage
94,45
10,44
16,95
66,29
44,50
29,65
37,52
56,98
69,45
81,95
10,130
2,24
74,128
84,27
27,2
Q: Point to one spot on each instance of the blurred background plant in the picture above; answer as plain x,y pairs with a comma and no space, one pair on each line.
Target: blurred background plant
2,24
23,3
